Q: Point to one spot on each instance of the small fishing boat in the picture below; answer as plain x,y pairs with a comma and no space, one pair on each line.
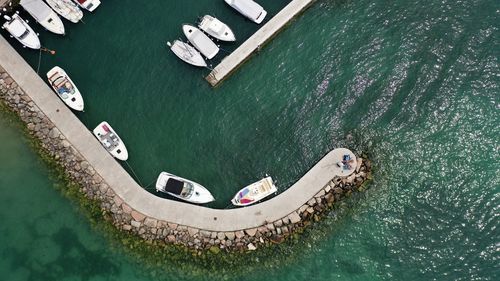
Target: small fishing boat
44,15
66,9
254,192
183,189
65,88
217,29
249,9
90,5
111,141
20,30
200,41
187,53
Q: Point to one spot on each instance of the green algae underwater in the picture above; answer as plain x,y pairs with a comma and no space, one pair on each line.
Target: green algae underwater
415,83
156,258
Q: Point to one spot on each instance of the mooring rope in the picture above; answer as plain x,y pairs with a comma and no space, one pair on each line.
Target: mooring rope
39,61
133,172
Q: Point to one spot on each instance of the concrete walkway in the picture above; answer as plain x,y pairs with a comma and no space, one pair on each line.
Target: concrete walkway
230,63
139,199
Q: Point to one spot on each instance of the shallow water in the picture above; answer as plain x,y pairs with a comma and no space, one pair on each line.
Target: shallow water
416,85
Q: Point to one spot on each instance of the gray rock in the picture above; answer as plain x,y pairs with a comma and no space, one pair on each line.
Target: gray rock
135,224
221,235
251,247
251,231
294,217
321,193
230,235
54,133
149,222
192,231
239,234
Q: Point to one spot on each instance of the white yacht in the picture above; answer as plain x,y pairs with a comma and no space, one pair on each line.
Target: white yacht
183,189
65,88
44,15
66,9
200,41
89,5
111,141
20,30
217,29
187,53
254,192
249,9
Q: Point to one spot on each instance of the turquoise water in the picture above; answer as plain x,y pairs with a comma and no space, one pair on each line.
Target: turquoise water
415,84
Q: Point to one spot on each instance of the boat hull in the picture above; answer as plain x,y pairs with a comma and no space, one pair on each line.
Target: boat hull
44,15
17,26
217,29
187,53
66,9
249,9
200,41
73,100
200,195
89,5
102,132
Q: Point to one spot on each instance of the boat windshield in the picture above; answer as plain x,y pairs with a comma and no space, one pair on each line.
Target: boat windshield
25,34
187,190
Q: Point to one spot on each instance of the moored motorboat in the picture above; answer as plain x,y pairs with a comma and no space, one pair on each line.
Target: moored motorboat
89,5
249,9
200,41
44,15
187,53
65,88
20,30
66,9
254,192
111,141
183,189
217,29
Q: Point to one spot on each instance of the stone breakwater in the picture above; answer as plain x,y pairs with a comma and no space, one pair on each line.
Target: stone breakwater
124,217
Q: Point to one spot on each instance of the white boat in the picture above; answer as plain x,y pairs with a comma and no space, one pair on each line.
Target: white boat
249,9
111,141
66,9
200,41
187,53
183,189
217,29
20,30
65,88
90,5
254,192
44,15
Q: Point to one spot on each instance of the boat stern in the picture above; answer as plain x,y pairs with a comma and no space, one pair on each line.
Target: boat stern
161,181
92,5
261,17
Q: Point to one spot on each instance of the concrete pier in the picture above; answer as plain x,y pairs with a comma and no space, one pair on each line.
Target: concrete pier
230,63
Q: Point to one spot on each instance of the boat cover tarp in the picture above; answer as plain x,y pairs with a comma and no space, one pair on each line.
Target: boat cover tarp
204,44
174,186
248,7
37,9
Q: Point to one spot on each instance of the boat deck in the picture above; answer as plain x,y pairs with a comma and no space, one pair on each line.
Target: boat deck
110,141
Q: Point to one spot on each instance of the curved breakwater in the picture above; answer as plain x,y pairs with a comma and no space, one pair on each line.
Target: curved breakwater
134,209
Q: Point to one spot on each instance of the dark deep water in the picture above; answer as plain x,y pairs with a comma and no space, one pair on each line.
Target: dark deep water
415,83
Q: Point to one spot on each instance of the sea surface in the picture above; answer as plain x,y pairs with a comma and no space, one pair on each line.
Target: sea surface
414,85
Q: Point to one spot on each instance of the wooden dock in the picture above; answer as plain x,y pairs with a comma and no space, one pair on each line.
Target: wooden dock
230,63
